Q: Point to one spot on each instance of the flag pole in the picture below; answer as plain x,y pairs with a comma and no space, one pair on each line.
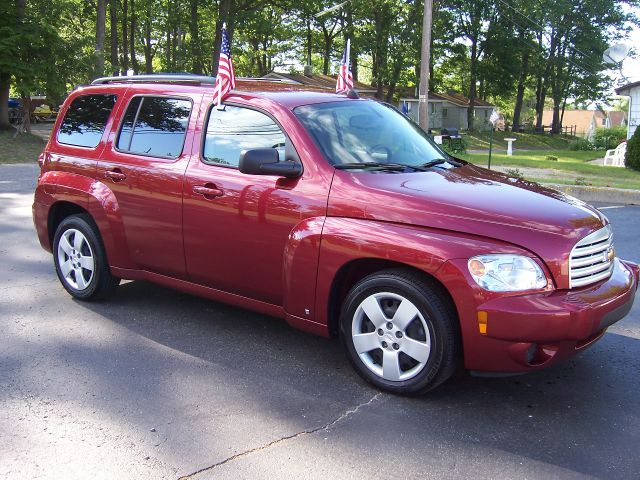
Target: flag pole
219,82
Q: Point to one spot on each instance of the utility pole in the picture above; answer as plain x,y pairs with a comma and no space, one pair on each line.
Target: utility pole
423,89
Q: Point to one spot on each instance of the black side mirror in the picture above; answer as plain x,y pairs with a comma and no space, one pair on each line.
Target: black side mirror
266,161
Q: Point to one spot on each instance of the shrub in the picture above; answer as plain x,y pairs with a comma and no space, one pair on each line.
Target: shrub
632,157
551,158
514,173
607,138
582,181
581,144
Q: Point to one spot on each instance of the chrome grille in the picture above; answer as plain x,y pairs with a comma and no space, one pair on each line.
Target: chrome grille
592,258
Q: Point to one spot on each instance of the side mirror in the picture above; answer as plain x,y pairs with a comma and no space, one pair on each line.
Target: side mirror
266,161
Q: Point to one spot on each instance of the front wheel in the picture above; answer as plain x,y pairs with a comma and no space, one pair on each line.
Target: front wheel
80,259
400,332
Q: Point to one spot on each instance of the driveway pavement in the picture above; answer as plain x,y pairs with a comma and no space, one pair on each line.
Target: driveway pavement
158,384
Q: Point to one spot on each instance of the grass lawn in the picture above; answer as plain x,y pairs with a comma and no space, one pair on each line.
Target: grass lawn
570,168
22,149
529,141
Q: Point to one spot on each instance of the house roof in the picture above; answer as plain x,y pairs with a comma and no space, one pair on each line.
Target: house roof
616,119
457,99
582,119
318,80
626,89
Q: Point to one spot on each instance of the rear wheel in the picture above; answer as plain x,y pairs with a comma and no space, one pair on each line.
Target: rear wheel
400,332
80,259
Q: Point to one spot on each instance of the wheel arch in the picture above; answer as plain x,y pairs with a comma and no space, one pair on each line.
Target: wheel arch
355,270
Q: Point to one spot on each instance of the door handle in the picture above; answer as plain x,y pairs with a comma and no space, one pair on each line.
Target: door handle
115,175
209,191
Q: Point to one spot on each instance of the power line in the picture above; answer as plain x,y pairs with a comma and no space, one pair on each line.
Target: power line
586,58
586,67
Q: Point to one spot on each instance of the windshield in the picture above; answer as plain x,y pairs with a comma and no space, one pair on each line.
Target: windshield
369,133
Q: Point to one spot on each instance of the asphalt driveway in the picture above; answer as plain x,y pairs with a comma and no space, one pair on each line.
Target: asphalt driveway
158,384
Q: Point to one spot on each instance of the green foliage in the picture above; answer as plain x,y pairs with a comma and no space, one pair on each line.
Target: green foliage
581,181
514,172
632,157
581,144
607,138
551,158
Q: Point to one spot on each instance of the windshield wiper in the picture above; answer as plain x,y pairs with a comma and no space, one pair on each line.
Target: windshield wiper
396,167
433,163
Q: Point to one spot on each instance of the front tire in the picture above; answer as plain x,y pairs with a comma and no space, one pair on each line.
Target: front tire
400,332
80,259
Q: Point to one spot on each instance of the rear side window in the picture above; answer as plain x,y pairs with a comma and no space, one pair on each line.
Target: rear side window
234,129
155,126
85,120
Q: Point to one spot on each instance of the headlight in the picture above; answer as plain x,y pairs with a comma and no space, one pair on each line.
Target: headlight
506,273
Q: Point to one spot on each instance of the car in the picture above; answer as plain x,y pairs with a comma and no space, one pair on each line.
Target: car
333,212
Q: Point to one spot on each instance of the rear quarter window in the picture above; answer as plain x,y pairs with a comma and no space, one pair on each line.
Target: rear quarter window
85,120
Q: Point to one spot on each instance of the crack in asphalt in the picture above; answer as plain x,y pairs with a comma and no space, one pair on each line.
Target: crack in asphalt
321,428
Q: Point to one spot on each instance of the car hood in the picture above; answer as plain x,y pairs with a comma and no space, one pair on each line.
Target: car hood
471,200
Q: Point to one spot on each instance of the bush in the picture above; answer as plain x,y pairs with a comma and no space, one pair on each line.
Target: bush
551,158
607,138
581,144
632,158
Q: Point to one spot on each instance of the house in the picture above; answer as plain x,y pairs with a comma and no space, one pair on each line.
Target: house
319,80
586,122
449,110
632,90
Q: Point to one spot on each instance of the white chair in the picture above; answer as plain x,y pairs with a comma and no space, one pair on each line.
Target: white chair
615,157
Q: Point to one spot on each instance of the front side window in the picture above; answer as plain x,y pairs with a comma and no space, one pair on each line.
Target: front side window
85,120
234,129
154,126
363,131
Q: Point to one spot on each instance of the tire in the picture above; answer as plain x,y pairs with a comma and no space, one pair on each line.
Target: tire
80,259
400,332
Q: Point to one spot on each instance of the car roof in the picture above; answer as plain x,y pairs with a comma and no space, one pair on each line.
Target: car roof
289,95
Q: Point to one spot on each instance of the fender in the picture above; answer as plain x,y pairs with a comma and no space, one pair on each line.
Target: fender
346,239
97,199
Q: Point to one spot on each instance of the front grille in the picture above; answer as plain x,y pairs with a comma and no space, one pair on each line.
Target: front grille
592,258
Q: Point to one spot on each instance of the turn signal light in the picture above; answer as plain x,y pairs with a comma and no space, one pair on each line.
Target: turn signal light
482,322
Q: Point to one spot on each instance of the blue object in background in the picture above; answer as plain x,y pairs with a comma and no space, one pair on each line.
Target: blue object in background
14,103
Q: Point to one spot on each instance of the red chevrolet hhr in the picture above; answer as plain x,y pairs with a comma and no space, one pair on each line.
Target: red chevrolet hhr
335,213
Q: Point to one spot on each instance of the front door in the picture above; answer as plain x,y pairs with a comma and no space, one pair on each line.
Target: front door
236,226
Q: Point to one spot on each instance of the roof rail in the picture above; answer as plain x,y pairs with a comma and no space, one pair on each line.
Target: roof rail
157,78
175,78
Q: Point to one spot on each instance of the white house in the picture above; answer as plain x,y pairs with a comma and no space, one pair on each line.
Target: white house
632,90
449,110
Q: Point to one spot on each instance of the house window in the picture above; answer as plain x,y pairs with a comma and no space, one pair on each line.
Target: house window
445,112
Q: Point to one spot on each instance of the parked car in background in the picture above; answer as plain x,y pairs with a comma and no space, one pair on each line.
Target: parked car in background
335,213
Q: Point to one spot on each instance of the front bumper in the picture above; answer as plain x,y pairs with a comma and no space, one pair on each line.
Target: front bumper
532,331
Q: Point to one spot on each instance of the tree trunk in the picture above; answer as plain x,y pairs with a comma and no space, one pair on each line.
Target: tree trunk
100,30
224,10
113,40
524,70
326,53
125,36
5,84
472,83
148,47
196,60
132,37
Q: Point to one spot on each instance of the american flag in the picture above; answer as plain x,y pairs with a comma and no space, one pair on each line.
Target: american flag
226,79
345,77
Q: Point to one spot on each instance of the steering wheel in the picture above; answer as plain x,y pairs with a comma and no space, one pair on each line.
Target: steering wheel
378,149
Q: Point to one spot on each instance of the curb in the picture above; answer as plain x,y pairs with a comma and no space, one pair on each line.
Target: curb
599,194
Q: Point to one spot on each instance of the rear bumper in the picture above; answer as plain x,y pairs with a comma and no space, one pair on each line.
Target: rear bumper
528,332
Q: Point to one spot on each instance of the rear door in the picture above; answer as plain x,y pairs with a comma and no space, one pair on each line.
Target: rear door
144,167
